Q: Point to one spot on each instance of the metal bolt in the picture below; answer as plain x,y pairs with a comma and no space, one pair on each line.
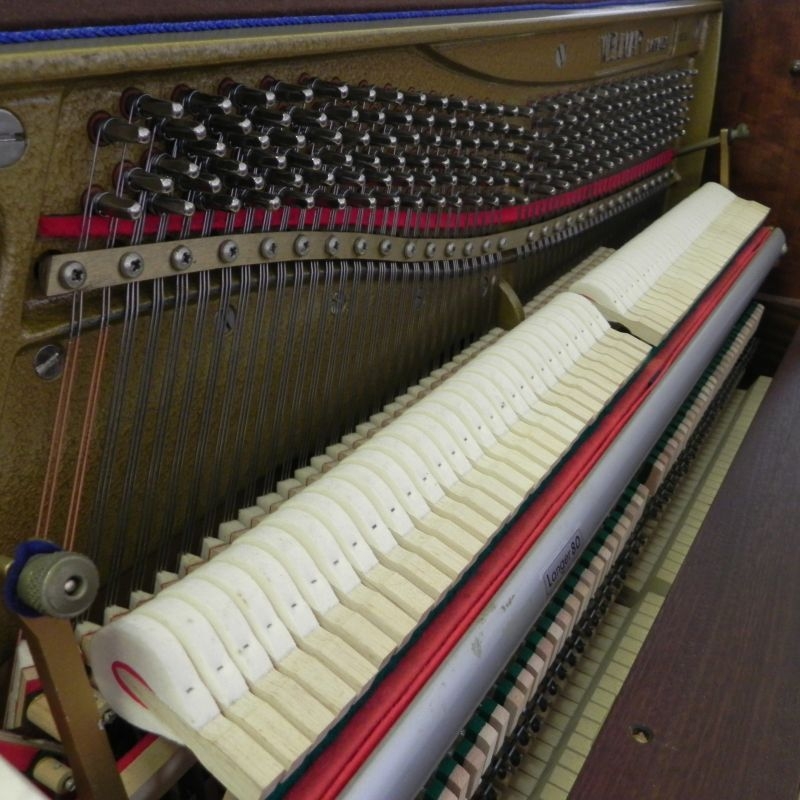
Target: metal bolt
794,67
181,258
12,138
360,246
131,265
228,251
72,275
502,243
486,245
450,249
268,248
430,250
301,246
545,230
332,246
69,785
48,363
559,226
338,303
385,247
531,235
409,249
469,248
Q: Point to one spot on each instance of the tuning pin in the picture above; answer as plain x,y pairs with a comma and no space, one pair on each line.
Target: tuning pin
202,104
283,137
321,88
206,182
164,204
205,148
219,202
283,177
436,161
423,161
326,199
382,139
111,205
180,167
144,105
250,182
348,177
366,160
342,114
318,177
356,199
374,177
292,197
409,138
334,157
114,130
466,178
411,201
228,123
228,165
271,202
288,92
269,116
391,160
249,141
373,116
432,200
306,116
297,159
414,98
389,94
365,94
471,200
184,130
354,137
324,136
385,199
265,160
144,181
245,96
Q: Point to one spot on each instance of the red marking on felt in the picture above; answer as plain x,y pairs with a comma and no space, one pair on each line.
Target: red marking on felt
337,764
120,666
125,761
206,223
20,756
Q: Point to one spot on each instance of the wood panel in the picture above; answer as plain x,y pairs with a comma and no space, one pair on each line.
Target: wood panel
759,43
716,686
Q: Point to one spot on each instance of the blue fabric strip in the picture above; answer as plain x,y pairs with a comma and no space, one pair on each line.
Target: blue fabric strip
94,32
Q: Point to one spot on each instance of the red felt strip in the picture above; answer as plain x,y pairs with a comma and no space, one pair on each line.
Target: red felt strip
339,762
135,751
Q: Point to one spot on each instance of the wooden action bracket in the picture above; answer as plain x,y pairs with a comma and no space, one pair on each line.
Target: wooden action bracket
63,674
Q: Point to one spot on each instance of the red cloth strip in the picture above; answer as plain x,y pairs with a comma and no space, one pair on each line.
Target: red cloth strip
72,226
339,762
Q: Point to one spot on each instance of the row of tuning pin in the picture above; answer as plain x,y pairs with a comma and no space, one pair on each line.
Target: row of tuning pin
323,143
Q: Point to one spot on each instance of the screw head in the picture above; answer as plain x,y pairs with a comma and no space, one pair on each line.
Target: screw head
131,265
301,246
48,363
72,275
332,246
12,138
228,251
430,250
181,258
268,248
502,243
450,249
385,247
409,249
486,245
469,248
531,235
545,230
360,246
